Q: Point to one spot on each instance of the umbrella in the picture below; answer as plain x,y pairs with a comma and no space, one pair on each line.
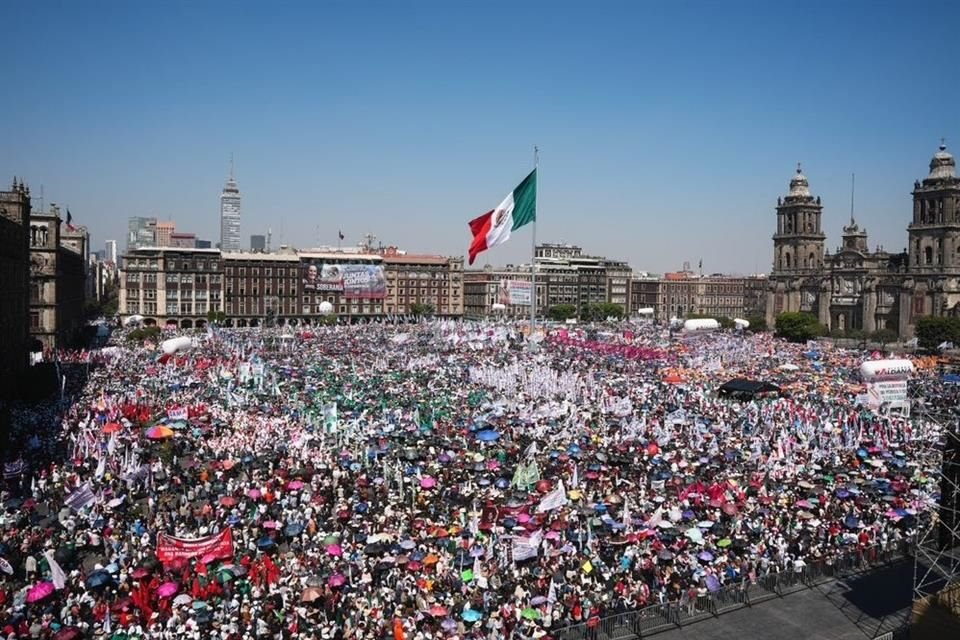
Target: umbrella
706,556
437,611
488,435
69,633
428,482
337,580
40,591
530,614
182,600
111,427
122,604
265,543
334,550
228,501
471,615
311,594
538,600
167,589
726,542
99,579
139,572
159,432
293,485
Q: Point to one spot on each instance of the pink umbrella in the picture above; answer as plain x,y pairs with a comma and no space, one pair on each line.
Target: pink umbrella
337,580
167,589
253,493
40,591
271,524
293,485
334,550
427,482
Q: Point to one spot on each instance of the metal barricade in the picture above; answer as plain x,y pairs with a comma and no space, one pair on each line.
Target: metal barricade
619,626
658,617
694,609
730,598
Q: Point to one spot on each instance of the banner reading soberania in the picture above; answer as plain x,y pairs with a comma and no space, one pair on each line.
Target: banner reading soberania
170,548
354,281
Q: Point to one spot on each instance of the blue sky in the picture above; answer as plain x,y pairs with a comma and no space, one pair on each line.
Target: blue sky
667,130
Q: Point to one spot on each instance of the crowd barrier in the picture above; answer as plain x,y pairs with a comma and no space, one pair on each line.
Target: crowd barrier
654,619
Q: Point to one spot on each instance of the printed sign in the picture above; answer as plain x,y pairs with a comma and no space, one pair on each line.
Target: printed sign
363,281
170,548
516,292
324,277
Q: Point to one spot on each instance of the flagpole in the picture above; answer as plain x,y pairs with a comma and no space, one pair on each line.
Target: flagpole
533,248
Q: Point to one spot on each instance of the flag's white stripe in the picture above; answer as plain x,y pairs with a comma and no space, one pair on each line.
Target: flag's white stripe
500,233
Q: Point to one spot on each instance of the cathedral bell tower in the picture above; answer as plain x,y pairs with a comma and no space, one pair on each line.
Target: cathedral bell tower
798,250
799,241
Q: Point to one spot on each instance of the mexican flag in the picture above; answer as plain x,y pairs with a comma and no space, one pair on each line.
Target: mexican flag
516,210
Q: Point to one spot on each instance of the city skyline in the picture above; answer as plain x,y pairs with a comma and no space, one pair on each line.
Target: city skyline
660,129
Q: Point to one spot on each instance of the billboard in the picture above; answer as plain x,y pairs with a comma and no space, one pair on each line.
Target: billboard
517,292
363,281
323,277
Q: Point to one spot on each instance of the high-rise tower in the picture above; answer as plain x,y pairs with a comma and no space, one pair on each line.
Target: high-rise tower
230,214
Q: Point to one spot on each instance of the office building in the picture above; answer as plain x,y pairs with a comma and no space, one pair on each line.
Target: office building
258,243
230,215
141,232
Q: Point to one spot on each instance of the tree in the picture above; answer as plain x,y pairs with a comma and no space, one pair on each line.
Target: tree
562,312
600,311
883,336
798,327
757,323
216,317
421,309
143,334
932,331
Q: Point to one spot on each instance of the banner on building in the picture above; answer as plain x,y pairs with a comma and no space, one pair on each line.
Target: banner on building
516,292
323,277
219,545
363,281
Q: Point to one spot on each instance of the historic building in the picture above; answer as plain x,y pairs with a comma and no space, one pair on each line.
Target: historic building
564,276
858,289
14,286
180,286
58,279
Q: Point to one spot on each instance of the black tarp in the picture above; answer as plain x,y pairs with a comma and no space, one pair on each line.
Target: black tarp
742,386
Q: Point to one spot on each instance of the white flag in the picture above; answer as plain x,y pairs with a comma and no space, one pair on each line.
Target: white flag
553,500
57,576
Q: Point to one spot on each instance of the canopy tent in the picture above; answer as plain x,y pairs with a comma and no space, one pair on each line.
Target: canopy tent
744,387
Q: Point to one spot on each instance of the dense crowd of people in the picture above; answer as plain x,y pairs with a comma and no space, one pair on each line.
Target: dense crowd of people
439,480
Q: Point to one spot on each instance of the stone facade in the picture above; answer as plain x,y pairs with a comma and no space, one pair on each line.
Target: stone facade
58,280
858,289
179,286
14,286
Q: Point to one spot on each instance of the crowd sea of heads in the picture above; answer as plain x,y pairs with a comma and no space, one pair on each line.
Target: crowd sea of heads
440,480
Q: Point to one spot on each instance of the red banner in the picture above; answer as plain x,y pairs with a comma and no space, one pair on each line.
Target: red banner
170,548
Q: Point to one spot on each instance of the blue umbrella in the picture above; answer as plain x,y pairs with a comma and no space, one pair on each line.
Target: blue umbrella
470,615
293,529
266,543
851,522
488,435
98,579
712,583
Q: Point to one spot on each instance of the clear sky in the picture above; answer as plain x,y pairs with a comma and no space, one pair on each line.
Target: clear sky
667,130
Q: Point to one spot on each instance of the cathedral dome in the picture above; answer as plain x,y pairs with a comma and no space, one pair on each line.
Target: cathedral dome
799,185
942,165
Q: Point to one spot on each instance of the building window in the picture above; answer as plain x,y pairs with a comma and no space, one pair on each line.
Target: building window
928,255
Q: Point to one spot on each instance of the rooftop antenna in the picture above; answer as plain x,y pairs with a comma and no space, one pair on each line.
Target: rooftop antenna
231,165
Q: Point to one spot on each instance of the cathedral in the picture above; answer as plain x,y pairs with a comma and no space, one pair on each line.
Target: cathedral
859,289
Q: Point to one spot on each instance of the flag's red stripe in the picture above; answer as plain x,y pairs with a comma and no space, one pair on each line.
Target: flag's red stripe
480,227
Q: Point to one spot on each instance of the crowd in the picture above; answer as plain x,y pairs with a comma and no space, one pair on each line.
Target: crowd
438,480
